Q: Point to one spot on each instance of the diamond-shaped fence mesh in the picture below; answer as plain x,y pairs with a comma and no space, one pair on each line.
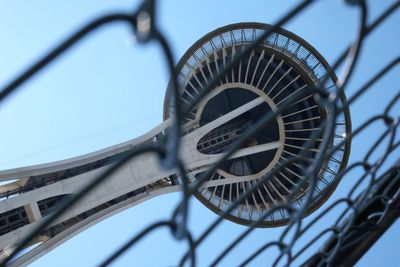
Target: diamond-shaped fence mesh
310,164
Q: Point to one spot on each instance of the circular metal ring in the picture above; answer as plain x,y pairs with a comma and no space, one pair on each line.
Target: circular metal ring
279,66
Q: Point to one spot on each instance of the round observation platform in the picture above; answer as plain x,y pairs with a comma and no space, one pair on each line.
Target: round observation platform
278,67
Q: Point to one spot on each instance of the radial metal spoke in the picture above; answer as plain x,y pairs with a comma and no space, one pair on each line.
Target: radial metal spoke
270,195
294,173
303,120
302,100
286,86
265,69
281,184
302,130
255,149
266,205
301,148
254,198
299,111
301,139
272,75
287,97
229,116
256,68
287,179
280,79
270,183
233,69
248,66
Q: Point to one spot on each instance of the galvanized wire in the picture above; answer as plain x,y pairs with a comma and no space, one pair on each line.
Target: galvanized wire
356,222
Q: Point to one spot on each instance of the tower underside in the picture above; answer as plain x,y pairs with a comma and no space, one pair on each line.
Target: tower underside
261,82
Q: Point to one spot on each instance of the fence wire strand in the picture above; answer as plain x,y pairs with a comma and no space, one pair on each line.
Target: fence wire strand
373,198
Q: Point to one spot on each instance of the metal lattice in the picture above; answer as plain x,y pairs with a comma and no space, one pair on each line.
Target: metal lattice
320,157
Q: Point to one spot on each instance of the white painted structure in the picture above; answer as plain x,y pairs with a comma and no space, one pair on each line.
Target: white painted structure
141,172
272,73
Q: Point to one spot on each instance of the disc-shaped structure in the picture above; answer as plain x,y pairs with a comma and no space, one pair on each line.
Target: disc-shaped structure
277,68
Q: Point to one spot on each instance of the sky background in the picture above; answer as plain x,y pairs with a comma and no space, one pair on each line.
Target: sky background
109,89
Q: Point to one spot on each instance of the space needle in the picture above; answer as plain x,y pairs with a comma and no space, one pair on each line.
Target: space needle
275,70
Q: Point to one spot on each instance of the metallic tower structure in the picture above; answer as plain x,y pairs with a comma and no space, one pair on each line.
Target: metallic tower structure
276,69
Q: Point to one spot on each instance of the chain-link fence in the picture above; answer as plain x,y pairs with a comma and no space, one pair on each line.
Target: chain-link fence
372,204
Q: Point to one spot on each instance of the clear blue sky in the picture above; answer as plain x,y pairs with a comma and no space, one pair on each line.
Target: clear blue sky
108,90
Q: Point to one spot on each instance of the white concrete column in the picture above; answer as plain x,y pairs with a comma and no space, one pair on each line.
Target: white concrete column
33,212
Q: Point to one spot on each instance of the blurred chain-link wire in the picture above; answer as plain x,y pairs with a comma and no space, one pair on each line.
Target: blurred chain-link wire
371,206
